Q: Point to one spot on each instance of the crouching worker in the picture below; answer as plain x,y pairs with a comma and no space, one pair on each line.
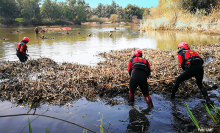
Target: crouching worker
21,49
139,70
191,63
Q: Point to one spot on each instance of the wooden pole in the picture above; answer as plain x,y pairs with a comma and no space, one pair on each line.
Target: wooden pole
150,81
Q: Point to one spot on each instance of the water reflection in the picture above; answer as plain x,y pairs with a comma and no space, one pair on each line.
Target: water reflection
138,122
73,47
168,40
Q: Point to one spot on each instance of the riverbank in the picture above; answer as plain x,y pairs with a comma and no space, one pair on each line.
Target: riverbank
46,22
21,22
213,30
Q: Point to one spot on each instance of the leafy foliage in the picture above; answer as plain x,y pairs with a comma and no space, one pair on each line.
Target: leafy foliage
8,9
113,18
77,11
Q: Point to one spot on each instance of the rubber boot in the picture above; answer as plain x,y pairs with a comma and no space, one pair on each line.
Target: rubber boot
131,96
205,95
174,90
148,100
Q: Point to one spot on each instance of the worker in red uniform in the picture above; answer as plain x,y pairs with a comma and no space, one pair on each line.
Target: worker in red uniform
139,70
21,49
36,30
191,63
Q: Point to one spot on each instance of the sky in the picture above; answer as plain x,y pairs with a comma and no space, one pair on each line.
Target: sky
123,3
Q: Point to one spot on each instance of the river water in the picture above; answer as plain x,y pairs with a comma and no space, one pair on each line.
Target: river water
165,116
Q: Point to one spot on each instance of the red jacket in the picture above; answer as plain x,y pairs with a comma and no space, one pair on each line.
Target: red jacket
22,47
184,55
138,63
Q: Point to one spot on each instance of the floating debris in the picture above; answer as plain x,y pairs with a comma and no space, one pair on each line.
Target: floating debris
17,31
45,81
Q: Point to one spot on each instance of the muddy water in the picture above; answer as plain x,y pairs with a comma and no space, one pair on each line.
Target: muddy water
165,116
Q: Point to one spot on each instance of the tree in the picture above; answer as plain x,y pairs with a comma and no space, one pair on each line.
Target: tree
81,14
29,9
114,18
142,10
72,8
8,9
51,10
66,12
57,10
113,5
46,9
108,11
131,11
98,10
146,13
120,12
81,3
193,5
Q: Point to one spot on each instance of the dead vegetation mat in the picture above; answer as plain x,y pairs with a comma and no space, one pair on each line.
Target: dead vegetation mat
44,81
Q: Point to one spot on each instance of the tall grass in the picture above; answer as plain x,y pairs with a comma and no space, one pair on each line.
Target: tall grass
85,125
209,112
47,130
183,20
30,129
95,18
216,111
29,123
101,126
192,117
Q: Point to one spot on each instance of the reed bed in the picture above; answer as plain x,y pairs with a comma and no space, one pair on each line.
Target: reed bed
44,81
184,21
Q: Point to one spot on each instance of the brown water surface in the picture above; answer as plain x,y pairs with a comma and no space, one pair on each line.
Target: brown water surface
165,116
74,47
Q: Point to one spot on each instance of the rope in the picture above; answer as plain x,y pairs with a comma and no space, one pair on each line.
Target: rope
150,81
33,119
50,117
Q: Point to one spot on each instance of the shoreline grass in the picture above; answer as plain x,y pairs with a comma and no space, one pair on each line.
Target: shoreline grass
192,117
183,21
216,123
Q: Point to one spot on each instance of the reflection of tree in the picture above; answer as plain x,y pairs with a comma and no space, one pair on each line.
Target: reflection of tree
138,122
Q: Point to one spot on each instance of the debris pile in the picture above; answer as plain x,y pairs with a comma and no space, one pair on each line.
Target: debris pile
43,80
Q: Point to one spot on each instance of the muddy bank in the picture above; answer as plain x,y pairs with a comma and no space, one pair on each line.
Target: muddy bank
45,81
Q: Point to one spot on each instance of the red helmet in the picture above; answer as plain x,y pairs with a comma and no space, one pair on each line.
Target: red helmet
137,53
26,39
183,45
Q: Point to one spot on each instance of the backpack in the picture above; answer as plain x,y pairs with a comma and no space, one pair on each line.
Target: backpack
192,58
